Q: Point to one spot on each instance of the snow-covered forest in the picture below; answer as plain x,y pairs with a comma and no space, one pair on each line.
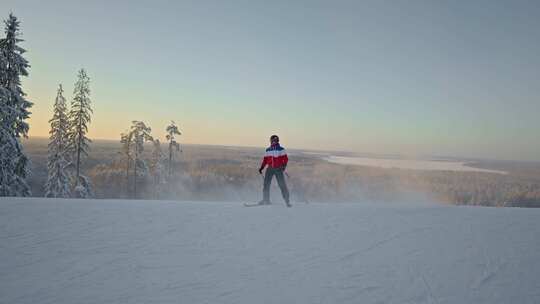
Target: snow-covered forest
69,144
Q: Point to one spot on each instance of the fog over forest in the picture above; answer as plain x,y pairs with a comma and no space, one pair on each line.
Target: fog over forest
218,173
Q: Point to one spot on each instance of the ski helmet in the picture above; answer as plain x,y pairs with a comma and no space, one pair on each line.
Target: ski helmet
274,138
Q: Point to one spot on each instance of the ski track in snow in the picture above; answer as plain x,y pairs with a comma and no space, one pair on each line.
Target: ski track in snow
114,251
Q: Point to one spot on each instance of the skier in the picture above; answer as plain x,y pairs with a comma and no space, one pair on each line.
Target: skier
276,159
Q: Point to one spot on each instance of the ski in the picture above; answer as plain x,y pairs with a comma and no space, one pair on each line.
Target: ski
255,204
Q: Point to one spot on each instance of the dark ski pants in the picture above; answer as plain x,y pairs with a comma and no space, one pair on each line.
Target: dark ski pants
270,172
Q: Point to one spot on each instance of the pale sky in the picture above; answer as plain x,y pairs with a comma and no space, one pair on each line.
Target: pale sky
454,78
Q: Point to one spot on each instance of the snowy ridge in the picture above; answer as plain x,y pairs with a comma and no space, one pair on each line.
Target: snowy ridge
115,251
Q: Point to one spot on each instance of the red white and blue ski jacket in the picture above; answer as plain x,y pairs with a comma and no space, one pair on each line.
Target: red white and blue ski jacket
275,157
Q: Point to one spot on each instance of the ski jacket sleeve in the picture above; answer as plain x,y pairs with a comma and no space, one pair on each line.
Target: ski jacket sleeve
264,162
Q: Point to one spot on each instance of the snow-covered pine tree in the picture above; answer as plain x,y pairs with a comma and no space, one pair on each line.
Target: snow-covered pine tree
14,110
156,167
126,139
58,180
140,134
172,130
78,142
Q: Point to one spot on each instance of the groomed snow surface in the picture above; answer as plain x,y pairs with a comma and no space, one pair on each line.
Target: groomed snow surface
114,251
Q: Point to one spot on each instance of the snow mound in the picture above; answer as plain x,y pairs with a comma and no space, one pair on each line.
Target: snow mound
116,251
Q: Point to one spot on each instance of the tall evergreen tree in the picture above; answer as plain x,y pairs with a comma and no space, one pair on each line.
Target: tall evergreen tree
126,139
58,181
172,130
14,110
78,142
140,134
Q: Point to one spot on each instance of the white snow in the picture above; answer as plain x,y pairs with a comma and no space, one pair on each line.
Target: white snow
115,251
411,164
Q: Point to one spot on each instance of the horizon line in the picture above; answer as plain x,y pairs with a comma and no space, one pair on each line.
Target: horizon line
354,153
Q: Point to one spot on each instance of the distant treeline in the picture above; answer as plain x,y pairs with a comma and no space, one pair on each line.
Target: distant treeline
222,173
315,180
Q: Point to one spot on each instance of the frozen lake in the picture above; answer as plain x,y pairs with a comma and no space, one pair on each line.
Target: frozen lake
411,164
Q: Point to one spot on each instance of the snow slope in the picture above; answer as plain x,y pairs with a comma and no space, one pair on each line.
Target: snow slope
114,251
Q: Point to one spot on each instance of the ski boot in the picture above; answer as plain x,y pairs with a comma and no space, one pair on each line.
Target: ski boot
263,202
